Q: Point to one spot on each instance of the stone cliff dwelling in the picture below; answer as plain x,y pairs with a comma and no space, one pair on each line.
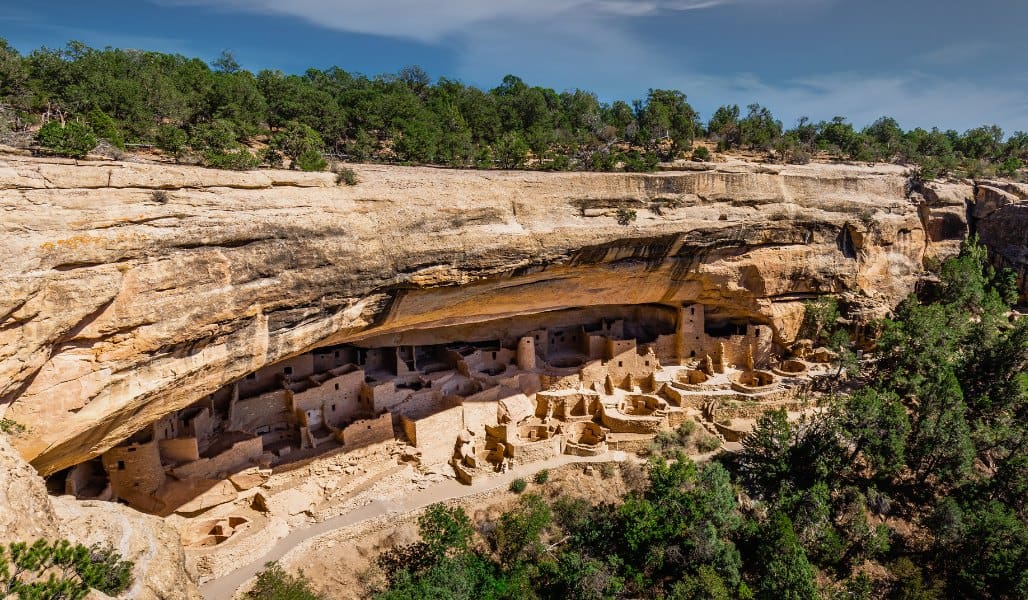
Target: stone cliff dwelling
564,382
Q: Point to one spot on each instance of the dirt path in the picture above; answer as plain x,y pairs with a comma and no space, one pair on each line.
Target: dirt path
223,588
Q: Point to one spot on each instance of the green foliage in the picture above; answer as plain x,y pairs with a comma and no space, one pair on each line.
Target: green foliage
72,139
542,476
311,160
626,216
240,160
105,127
273,583
61,570
510,151
303,146
345,176
819,318
10,426
517,536
160,196
518,485
172,140
785,573
700,154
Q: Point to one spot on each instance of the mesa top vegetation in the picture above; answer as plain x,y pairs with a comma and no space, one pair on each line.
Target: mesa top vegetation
226,116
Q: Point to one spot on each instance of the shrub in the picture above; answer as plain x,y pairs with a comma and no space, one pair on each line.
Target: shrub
73,139
160,196
708,443
701,154
542,476
518,485
636,162
607,470
346,175
9,426
273,583
311,160
240,160
626,216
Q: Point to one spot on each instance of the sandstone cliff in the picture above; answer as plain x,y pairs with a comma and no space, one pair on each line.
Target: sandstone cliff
118,306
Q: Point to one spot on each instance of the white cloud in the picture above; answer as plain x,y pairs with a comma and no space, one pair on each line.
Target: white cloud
428,21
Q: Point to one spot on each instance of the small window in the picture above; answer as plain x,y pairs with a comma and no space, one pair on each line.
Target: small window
337,389
288,370
251,377
692,310
647,363
620,363
337,354
131,449
121,465
494,356
333,408
692,354
756,333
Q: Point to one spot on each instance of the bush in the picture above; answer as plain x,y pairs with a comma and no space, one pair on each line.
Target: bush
626,216
708,443
518,485
607,470
9,426
273,583
346,175
240,160
73,139
311,160
160,196
701,154
542,476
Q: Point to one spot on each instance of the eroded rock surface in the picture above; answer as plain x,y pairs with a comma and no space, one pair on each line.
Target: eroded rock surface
118,306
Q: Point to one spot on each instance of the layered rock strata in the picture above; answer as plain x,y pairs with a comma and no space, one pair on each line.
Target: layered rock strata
119,305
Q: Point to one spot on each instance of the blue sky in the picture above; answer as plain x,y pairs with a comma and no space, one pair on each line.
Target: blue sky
951,63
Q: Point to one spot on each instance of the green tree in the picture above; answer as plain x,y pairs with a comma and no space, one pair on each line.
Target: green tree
784,571
877,425
765,460
510,151
303,146
517,535
759,130
724,126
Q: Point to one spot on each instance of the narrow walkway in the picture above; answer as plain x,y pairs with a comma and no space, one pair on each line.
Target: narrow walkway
224,588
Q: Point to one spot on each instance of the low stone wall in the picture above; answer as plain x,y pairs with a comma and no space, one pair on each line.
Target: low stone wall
619,422
368,431
241,453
